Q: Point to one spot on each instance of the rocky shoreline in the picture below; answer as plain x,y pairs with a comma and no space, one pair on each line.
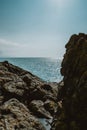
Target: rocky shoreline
25,99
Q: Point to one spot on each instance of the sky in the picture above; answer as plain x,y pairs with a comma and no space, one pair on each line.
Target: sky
39,28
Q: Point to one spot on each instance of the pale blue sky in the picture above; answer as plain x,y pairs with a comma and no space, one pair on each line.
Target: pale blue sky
39,28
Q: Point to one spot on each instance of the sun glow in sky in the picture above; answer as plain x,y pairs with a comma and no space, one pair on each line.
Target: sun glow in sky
62,4
39,28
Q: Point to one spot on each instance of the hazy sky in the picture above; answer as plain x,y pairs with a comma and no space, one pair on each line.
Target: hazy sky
39,27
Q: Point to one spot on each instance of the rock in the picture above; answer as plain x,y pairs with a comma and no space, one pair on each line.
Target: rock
72,115
13,69
15,116
52,92
22,93
37,107
40,91
46,87
50,106
12,85
26,78
16,88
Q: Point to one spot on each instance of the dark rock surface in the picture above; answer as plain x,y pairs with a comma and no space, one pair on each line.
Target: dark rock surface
72,95
23,99
37,107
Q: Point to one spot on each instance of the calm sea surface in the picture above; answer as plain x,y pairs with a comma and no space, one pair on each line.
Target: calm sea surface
46,68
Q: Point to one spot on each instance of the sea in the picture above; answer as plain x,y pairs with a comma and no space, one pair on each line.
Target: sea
47,69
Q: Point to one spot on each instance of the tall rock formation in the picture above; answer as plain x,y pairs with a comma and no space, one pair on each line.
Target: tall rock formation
72,96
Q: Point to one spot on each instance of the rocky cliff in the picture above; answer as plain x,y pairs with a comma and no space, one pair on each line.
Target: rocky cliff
72,96
24,98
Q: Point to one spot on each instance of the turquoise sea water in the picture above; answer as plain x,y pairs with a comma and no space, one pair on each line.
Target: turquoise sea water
46,68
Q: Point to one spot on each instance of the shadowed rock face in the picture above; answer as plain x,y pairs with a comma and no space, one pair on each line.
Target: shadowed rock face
72,96
22,97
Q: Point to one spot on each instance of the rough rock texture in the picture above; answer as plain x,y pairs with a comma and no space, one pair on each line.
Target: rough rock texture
15,116
72,96
41,112
22,97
